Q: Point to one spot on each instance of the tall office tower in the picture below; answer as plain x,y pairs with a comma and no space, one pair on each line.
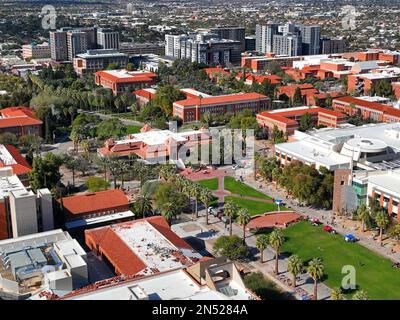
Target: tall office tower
250,43
77,42
287,45
311,37
329,46
107,39
58,45
264,37
232,33
204,36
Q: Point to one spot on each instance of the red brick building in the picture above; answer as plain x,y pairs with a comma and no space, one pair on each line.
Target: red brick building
368,110
287,120
94,204
20,121
194,108
120,81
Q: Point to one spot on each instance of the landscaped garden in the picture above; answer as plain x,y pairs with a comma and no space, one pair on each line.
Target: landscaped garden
255,207
240,188
211,184
374,274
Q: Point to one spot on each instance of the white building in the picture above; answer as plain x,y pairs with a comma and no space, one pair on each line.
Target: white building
369,147
48,260
23,212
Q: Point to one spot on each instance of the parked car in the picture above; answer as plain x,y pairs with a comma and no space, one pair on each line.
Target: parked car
315,222
350,238
329,229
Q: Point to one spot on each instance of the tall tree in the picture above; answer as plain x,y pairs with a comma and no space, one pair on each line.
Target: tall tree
364,216
295,266
382,221
243,218
143,205
206,197
262,244
230,210
316,271
276,240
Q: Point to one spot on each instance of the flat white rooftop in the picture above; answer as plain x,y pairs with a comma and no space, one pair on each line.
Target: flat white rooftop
92,221
175,285
147,243
389,181
157,137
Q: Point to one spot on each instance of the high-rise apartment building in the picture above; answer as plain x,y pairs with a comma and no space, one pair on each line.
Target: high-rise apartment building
66,43
287,37
204,48
77,42
107,39
287,45
58,45
232,33
311,37
264,37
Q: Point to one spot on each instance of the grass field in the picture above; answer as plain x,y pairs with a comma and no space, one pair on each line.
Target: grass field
211,184
237,187
131,129
374,274
255,207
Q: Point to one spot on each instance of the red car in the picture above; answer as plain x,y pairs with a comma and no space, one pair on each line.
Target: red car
329,229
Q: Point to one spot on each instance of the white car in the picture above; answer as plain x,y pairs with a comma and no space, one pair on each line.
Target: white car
235,166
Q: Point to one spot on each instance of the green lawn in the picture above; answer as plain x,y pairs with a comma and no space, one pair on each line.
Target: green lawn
211,184
131,129
374,274
237,187
254,207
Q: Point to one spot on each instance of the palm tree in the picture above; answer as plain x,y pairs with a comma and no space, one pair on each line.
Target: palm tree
382,221
316,271
364,215
206,197
230,210
243,218
104,163
114,168
196,194
85,147
360,295
295,265
262,244
123,168
276,240
167,171
167,211
144,205
337,294
71,163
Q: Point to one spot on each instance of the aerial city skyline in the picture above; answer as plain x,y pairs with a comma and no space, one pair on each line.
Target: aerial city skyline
217,151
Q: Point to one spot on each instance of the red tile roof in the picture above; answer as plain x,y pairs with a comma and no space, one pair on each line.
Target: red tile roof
144,93
363,103
95,202
119,254
18,117
22,166
242,97
211,71
138,77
